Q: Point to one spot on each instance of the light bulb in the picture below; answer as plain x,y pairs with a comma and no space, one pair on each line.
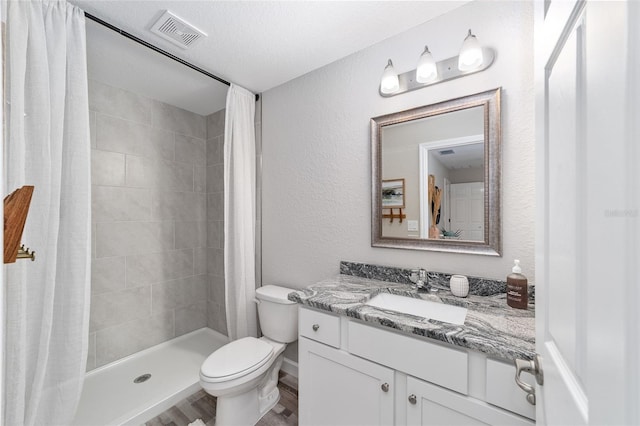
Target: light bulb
426,71
389,82
470,54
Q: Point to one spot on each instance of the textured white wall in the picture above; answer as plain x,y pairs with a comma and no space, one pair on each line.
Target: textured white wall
316,152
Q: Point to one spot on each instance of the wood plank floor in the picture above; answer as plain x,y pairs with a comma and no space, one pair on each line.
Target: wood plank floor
202,406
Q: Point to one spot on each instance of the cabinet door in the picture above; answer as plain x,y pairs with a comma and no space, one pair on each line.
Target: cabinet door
337,388
429,404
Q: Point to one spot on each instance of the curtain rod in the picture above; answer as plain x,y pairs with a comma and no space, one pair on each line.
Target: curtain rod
157,49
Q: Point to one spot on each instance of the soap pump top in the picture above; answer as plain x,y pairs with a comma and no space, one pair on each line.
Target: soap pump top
516,267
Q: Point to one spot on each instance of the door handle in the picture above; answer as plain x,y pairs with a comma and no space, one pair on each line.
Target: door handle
532,367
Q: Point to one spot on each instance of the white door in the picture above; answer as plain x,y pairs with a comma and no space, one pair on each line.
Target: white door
467,210
587,148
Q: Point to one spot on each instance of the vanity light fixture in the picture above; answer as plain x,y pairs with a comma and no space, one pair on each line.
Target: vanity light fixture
389,82
426,71
473,58
470,56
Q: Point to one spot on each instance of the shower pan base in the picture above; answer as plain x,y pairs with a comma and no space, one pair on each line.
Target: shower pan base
163,375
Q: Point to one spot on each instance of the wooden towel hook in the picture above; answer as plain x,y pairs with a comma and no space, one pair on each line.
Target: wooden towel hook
16,208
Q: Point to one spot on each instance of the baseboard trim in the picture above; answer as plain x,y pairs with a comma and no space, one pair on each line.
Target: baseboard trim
290,367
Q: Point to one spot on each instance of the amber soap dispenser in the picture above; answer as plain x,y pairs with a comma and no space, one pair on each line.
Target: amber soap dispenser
517,290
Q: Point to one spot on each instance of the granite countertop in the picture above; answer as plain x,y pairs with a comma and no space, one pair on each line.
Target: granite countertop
491,326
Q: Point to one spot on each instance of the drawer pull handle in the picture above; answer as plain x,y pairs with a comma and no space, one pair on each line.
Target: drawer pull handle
413,399
385,387
315,327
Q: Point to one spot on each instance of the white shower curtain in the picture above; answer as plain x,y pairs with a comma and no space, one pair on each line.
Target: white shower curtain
47,145
240,213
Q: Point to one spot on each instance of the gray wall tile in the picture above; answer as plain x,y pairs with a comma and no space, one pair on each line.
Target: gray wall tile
178,293
151,268
215,178
107,274
190,318
200,261
200,179
191,234
180,206
112,203
216,318
107,168
190,150
215,206
119,103
115,307
128,238
127,338
215,234
216,289
215,124
215,150
178,120
144,172
216,261
128,137
119,135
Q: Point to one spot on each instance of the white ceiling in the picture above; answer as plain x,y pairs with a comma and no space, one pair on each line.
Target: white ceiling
258,45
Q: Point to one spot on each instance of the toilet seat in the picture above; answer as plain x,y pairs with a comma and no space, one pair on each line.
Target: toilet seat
236,359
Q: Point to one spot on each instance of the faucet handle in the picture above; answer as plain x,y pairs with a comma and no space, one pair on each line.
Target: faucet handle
422,274
415,275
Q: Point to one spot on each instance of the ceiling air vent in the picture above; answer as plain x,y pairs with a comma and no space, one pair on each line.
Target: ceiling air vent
176,30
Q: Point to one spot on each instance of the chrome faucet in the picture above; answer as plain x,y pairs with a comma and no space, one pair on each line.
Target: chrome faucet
420,278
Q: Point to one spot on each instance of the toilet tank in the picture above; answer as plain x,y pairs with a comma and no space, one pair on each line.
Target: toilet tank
278,315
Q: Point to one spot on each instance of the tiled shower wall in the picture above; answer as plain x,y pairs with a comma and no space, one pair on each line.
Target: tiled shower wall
150,202
215,221
158,257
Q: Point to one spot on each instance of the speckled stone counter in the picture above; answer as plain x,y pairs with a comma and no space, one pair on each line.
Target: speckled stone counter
491,326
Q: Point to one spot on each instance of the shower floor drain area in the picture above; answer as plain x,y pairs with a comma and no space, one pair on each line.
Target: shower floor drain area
142,379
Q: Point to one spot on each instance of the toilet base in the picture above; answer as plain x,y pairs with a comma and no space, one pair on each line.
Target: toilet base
246,403
245,408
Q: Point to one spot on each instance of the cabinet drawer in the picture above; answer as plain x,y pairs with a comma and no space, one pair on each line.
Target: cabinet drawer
319,326
435,363
502,390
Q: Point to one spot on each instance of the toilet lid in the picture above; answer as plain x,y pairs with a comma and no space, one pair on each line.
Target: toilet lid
236,359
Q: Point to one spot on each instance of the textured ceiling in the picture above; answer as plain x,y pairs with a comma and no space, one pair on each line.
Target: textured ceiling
258,45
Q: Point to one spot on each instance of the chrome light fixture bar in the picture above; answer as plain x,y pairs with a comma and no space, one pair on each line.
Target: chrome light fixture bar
447,70
473,58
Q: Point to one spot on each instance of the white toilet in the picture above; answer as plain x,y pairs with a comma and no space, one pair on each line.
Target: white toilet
243,374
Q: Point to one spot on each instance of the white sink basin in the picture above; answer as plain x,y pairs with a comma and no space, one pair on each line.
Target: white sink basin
419,307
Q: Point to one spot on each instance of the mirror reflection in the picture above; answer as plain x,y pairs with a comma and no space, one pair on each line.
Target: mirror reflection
440,159
436,176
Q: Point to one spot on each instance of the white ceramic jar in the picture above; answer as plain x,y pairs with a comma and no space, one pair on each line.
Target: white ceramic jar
459,285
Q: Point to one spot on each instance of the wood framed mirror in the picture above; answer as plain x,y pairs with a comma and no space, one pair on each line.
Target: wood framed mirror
448,158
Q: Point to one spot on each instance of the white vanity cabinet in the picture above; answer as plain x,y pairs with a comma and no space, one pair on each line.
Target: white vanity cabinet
428,404
353,373
342,389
